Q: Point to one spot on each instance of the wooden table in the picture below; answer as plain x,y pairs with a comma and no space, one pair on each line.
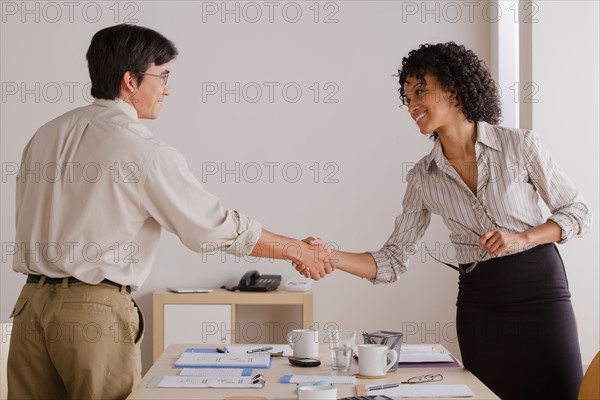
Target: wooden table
275,390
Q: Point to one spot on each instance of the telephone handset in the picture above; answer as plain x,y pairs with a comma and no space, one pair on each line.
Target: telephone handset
252,281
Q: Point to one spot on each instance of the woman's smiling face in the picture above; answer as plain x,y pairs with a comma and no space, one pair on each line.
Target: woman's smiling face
429,105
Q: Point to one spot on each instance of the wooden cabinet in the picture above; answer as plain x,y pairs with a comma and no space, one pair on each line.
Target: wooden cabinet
202,318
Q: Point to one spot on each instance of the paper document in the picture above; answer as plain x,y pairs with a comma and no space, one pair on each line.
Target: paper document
316,378
276,348
207,382
420,354
424,390
223,360
215,372
415,348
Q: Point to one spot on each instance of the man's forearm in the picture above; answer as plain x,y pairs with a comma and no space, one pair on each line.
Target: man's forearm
274,246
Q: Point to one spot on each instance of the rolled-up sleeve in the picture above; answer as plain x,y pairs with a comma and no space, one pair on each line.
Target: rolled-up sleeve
568,208
392,259
172,195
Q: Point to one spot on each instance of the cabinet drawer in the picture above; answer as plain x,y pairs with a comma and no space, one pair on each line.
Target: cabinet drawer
197,323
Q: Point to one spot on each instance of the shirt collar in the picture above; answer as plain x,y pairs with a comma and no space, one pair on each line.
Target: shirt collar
436,154
485,136
120,104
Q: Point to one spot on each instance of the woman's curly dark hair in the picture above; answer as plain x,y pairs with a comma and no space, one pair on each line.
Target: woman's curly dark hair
461,73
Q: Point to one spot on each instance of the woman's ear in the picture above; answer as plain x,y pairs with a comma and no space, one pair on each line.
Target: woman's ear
452,98
451,95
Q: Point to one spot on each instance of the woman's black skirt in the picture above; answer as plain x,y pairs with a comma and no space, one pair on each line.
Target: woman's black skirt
516,327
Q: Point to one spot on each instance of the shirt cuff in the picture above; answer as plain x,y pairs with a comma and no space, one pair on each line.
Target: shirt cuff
249,232
386,271
564,222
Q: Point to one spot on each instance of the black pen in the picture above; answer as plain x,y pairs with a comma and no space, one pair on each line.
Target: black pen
379,387
260,349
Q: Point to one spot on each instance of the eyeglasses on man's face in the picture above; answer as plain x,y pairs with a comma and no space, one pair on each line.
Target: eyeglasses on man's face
164,77
469,267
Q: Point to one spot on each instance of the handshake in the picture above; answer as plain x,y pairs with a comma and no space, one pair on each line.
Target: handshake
311,258
318,263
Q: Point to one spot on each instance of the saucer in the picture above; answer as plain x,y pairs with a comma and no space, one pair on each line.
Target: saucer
359,376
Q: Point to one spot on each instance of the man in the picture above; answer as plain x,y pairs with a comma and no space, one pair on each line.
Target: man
88,231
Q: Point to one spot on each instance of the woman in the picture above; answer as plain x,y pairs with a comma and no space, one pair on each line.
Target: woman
515,323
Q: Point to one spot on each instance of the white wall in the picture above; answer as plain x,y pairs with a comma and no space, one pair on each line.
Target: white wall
565,65
363,143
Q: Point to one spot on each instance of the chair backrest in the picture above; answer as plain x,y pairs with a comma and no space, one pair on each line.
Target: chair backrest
590,386
5,329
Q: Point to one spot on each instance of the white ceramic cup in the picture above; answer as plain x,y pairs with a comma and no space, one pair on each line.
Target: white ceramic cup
372,359
304,342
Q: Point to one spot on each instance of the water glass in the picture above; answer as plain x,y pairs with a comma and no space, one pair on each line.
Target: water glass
341,348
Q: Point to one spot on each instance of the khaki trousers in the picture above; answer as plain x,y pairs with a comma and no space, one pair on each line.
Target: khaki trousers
74,341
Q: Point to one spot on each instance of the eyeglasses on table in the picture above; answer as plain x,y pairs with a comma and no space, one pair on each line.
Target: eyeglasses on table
424,379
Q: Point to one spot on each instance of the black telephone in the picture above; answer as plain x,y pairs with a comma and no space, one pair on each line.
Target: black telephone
252,281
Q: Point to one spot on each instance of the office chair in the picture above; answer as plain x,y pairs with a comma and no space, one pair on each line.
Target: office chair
590,386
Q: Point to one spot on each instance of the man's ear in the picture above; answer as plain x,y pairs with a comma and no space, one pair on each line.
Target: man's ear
129,83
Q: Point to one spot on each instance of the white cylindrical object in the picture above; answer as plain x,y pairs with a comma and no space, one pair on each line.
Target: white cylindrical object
317,393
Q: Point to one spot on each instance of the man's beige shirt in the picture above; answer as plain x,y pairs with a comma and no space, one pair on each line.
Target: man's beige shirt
94,189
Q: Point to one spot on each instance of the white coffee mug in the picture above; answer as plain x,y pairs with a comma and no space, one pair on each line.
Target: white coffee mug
304,342
372,359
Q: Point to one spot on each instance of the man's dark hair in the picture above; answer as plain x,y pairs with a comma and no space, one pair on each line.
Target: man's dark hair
461,73
121,48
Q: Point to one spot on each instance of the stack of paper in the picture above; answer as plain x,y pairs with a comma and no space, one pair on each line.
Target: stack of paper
204,382
422,354
216,372
317,378
425,390
223,360
284,349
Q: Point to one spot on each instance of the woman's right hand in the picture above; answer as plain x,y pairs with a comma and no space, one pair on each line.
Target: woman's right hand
311,241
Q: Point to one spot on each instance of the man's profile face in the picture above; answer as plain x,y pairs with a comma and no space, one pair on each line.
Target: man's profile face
147,100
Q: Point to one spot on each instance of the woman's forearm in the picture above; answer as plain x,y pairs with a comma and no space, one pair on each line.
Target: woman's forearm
547,232
359,264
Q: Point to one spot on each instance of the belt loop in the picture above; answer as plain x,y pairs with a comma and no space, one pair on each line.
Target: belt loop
41,282
123,289
65,283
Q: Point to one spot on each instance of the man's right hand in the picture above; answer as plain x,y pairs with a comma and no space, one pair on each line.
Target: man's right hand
316,260
310,253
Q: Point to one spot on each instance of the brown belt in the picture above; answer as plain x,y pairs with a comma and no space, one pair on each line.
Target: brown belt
56,281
